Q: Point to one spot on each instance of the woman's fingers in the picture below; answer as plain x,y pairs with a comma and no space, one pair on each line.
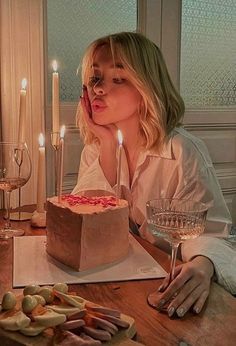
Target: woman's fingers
166,281
185,300
87,101
87,116
197,296
186,294
190,287
177,284
201,301
104,133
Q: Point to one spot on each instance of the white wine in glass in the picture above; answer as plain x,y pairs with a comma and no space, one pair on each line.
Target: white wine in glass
175,220
15,171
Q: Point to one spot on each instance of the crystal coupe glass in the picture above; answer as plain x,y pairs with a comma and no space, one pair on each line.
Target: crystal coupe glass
175,220
15,171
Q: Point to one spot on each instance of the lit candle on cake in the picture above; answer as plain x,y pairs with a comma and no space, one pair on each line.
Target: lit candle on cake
61,162
120,148
41,176
22,112
55,99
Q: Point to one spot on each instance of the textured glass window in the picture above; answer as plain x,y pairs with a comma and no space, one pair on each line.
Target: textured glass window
208,53
72,25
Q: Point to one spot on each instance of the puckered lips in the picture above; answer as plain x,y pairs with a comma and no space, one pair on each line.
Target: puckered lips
98,105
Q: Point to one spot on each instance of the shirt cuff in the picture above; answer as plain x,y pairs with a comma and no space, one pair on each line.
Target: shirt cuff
222,254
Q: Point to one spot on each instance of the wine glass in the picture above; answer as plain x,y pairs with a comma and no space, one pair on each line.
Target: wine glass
15,171
175,220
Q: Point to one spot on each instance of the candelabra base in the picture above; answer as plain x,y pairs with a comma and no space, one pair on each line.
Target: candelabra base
20,216
38,219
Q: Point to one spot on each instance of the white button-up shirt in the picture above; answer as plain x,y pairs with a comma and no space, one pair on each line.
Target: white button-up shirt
182,170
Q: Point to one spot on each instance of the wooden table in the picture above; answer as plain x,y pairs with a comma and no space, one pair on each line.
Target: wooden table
214,326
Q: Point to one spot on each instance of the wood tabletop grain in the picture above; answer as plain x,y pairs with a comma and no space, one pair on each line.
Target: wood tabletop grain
214,326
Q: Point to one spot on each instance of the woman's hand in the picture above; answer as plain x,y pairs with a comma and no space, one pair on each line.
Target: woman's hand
105,134
107,140
191,284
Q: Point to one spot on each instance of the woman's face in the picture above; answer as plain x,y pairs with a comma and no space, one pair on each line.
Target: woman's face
113,97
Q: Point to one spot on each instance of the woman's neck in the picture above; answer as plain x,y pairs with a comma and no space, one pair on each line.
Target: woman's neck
132,143
131,133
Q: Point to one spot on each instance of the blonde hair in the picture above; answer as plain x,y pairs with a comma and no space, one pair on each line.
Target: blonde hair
161,108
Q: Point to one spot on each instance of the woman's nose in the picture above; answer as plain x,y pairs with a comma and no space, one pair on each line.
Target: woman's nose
99,87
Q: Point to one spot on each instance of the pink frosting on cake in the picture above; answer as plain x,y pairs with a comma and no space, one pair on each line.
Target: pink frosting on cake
105,201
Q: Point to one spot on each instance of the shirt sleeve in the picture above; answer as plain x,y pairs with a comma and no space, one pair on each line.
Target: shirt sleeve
91,176
200,183
221,252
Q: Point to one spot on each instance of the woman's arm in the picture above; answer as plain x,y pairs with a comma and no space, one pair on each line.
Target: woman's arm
107,140
97,169
204,255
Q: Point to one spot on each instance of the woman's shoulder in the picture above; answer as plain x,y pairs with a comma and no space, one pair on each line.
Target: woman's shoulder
182,137
186,144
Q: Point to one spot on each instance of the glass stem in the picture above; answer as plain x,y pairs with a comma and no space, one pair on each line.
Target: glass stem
174,250
8,198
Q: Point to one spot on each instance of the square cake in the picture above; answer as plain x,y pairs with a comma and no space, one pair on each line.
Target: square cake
87,232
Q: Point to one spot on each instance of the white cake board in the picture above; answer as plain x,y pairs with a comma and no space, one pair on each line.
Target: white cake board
32,265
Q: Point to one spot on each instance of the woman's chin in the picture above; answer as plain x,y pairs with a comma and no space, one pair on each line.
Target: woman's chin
100,121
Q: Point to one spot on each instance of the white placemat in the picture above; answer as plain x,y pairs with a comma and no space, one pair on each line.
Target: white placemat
32,265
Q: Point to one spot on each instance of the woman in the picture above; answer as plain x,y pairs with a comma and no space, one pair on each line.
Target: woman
127,87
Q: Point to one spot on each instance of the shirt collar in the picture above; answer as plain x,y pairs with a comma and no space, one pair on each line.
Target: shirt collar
166,152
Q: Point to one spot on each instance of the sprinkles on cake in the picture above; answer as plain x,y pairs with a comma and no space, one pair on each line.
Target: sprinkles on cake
104,201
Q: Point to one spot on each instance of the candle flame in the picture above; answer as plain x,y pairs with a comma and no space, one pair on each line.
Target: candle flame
41,140
120,137
23,83
62,131
54,65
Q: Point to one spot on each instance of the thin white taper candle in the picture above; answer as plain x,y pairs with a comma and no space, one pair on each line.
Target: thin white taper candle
55,101
61,162
120,148
22,112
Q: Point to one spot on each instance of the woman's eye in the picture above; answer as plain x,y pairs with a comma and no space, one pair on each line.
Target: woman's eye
118,80
94,80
